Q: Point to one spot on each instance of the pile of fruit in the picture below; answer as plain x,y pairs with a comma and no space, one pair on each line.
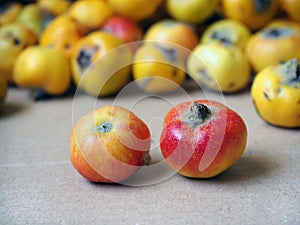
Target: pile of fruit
52,45
99,46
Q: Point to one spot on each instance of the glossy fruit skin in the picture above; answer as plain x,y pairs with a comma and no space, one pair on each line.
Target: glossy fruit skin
107,75
264,50
230,30
206,149
219,67
14,38
250,12
137,10
111,156
90,14
43,68
158,68
173,31
125,29
276,97
62,34
291,8
191,11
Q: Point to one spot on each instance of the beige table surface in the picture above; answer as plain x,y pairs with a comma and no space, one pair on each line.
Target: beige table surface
38,184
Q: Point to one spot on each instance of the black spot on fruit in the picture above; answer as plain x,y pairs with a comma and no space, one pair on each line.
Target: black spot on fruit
277,32
221,37
170,53
266,96
84,58
262,6
16,41
297,78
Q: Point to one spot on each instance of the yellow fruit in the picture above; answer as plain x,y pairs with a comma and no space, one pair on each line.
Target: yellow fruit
158,68
136,10
227,30
101,64
276,94
62,34
276,43
255,14
14,38
43,68
55,7
90,14
10,12
219,67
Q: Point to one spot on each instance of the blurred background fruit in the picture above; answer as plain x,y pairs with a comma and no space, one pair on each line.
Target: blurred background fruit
43,68
54,7
276,43
227,30
255,14
291,8
276,92
14,38
192,11
90,14
219,67
124,28
10,10
32,17
62,33
158,68
175,32
137,10
100,65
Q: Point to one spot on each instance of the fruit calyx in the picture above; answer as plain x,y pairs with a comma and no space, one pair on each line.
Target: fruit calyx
223,37
104,127
170,53
198,114
262,6
290,72
84,59
277,32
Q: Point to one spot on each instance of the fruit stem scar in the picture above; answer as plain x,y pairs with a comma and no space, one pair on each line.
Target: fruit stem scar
262,6
199,113
104,127
292,70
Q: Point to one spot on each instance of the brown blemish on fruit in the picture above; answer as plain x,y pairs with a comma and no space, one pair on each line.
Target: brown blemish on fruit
174,72
266,96
203,73
231,85
16,41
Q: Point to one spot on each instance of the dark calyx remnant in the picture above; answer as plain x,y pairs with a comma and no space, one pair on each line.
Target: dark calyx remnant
262,6
104,127
277,32
199,113
84,59
297,78
170,53
221,37
273,32
291,72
